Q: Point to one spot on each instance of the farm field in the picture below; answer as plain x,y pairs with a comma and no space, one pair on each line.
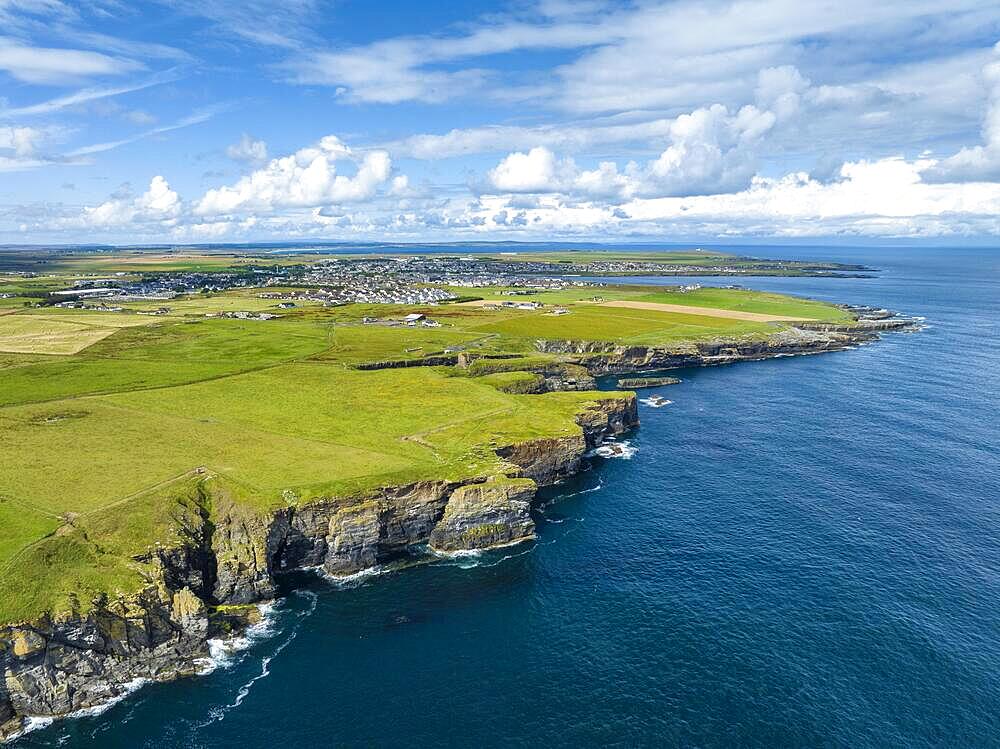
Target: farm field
682,309
37,334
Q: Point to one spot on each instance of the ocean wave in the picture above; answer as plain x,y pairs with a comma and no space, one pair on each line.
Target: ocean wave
614,449
658,403
544,506
467,559
507,557
30,724
354,579
224,653
582,491
219,713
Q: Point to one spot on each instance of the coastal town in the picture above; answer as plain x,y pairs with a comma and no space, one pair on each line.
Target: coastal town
399,279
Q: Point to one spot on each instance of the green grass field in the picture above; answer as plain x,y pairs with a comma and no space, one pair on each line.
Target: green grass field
595,323
105,443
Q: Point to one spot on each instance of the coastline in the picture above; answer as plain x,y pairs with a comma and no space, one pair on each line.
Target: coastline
59,668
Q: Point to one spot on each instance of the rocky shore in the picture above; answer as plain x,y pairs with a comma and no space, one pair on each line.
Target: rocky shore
206,588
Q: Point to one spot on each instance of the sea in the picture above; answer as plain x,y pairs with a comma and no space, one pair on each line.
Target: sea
800,552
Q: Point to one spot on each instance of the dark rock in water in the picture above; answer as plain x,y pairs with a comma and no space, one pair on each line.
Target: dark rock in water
634,383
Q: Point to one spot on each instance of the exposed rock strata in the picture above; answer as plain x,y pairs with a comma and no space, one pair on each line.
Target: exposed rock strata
634,383
479,516
57,667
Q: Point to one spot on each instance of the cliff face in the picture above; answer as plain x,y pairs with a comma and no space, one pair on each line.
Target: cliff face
483,515
231,556
549,461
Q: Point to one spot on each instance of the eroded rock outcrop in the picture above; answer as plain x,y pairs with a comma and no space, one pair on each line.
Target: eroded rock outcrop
56,667
242,543
550,461
479,516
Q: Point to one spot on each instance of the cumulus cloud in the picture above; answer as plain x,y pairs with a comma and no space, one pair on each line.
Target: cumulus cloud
977,163
534,171
309,177
884,197
541,171
158,204
711,150
247,149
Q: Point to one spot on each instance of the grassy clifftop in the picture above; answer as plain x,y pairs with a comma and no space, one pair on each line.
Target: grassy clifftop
107,448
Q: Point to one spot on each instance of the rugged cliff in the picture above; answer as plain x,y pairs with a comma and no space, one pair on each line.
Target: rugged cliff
54,667
230,555
602,358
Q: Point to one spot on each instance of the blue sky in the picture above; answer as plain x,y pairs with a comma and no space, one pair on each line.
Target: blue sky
199,120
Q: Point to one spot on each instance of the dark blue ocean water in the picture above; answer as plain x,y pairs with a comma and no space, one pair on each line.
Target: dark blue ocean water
802,552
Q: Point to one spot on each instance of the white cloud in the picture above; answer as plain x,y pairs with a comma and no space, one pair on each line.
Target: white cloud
871,198
412,68
540,171
977,163
534,171
140,117
158,204
23,147
42,65
647,55
85,96
21,140
678,54
284,25
248,149
193,119
400,185
306,178
384,73
711,150
498,138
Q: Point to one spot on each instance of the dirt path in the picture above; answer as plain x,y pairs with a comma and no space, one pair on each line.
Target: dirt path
706,311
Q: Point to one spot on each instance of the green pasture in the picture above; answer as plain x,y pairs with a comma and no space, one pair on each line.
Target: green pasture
105,449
